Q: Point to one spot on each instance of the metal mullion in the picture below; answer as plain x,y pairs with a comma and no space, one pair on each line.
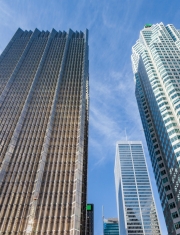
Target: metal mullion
45,200
71,165
42,215
63,159
12,166
11,202
66,175
54,188
62,164
51,190
27,176
70,175
28,200
56,176
32,150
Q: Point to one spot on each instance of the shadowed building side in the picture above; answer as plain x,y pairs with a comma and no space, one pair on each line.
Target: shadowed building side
90,219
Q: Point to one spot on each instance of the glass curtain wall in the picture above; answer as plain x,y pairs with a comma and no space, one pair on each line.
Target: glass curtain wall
136,208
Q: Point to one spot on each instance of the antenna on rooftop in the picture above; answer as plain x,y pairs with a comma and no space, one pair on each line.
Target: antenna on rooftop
103,217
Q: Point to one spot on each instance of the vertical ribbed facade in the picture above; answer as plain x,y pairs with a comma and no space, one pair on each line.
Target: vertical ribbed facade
156,66
44,133
135,203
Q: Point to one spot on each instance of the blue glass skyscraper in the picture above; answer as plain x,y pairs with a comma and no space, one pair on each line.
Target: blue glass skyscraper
135,203
110,226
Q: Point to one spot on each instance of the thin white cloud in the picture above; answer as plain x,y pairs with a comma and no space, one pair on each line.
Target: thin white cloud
112,109
4,10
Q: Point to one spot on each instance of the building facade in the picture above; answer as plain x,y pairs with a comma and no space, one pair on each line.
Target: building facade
135,203
44,133
90,219
110,226
156,67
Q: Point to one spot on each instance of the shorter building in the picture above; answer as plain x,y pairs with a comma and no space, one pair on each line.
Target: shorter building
136,208
90,219
110,226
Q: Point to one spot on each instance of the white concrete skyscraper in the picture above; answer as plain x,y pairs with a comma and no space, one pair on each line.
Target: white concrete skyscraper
156,67
135,203
44,133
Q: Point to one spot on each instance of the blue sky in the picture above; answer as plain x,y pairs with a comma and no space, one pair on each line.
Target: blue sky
114,27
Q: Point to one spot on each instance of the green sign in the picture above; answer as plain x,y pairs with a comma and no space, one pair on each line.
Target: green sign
89,207
148,25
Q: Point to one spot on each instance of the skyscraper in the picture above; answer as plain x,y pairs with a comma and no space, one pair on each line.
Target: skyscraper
156,66
90,219
110,226
44,133
135,203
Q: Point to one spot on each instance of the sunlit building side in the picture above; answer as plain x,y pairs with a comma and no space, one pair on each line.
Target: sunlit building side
44,133
156,67
135,203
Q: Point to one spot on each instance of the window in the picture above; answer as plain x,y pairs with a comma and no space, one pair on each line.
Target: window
159,158
170,125
165,180
157,152
167,188
161,165
163,172
172,205
169,196
174,215
175,138
156,146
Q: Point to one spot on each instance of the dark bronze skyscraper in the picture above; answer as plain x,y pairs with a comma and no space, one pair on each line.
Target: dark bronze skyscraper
44,133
